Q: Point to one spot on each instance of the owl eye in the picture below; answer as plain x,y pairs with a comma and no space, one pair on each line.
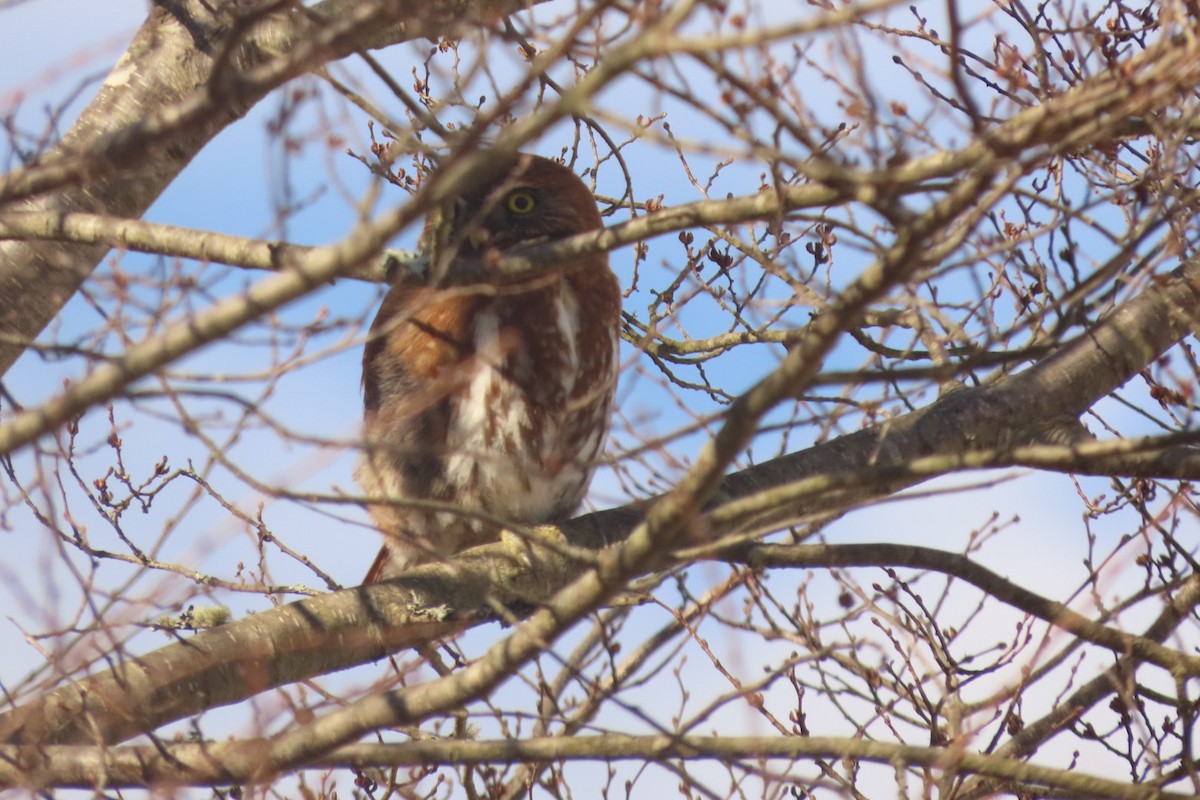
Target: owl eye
520,202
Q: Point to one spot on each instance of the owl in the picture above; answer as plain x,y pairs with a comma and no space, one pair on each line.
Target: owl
490,407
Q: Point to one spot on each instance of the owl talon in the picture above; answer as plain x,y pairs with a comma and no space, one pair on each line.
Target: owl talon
550,533
519,543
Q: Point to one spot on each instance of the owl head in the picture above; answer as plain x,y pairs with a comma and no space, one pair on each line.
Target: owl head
536,200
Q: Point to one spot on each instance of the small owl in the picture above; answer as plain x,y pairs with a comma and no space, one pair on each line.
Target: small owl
495,403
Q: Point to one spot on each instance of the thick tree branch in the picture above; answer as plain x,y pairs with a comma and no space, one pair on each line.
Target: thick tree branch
1004,415
1032,419
463,170
647,546
208,764
215,667
199,67
1081,118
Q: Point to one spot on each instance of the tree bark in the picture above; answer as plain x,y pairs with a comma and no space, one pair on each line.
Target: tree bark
192,69
343,629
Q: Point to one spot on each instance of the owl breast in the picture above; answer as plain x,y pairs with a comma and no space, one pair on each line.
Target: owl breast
525,431
505,408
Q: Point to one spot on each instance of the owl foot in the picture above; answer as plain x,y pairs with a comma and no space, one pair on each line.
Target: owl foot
519,544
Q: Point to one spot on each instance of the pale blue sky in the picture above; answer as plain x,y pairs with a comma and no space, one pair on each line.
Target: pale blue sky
47,47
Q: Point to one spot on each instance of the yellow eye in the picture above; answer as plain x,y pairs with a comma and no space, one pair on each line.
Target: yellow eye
520,202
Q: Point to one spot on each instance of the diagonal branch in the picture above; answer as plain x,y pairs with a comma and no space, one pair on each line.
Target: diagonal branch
204,764
201,67
330,633
230,663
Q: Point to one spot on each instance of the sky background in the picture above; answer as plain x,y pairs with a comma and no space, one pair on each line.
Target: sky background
53,49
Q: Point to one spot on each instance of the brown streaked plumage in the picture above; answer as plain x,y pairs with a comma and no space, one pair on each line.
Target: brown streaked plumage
494,402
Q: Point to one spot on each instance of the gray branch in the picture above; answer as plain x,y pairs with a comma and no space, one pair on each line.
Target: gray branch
325,634
193,68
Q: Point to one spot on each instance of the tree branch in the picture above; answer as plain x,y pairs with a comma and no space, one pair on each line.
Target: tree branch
200,67
224,665
208,764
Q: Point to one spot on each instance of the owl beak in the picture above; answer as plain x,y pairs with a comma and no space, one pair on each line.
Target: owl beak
479,238
466,215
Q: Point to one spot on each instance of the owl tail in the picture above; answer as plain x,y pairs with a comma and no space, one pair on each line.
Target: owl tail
376,573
